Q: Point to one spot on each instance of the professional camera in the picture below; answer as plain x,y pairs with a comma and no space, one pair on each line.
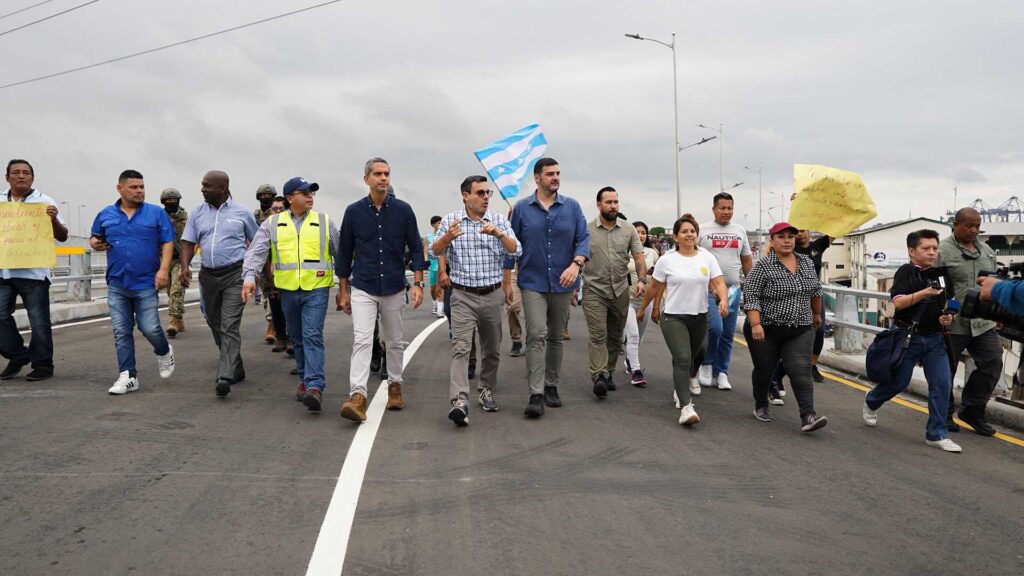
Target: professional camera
973,307
938,277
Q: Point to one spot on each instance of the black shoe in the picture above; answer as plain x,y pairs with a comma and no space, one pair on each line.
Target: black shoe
39,374
535,409
384,366
811,422
951,425
609,382
294,371
977,421
12,370
312,399
517,349
816,375
551,397
600,387
223,387
459,412
762,414
375,363
472,369
774,397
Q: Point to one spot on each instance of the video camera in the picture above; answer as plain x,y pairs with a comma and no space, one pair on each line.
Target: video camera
973,307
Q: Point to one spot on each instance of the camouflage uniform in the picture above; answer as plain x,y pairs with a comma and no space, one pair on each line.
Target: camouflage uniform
175,291
260,216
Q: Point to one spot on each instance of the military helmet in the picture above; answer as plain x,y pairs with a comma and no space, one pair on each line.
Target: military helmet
266,189
170,194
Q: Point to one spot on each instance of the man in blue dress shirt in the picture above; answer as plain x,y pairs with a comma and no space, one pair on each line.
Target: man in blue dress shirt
376,233
139,241
556,245
223,229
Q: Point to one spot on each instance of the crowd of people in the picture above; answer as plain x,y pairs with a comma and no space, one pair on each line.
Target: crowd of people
529,267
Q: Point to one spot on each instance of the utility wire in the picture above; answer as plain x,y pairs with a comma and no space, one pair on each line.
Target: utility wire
72,9
166,46
24,9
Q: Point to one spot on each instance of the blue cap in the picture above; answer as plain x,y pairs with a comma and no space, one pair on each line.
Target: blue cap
299,184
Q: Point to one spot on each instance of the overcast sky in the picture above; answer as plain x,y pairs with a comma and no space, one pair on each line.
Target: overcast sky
918,96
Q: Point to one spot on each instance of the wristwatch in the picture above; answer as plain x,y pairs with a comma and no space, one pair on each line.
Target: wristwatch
418,284
579,262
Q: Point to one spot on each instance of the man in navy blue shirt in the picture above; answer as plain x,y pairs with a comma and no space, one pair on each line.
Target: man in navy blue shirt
139,241
556,245
375,235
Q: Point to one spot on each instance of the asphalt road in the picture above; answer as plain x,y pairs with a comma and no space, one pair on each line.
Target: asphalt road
171,480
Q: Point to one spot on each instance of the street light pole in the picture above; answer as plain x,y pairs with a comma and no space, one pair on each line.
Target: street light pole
760,198
675,112
721,153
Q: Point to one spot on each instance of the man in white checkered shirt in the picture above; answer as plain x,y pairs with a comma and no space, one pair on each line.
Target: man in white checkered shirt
474,242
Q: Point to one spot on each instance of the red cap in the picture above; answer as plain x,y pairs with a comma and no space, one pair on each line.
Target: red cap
780,226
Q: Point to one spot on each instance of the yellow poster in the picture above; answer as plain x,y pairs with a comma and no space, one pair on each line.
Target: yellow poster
829,200
26,236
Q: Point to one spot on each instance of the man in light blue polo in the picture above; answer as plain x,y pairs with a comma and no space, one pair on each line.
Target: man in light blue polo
223,229
31,284
556,245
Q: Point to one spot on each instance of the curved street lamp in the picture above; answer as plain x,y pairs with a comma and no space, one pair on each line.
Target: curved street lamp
675,109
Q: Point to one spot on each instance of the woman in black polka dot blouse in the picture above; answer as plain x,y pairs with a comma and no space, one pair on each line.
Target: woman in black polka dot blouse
782,299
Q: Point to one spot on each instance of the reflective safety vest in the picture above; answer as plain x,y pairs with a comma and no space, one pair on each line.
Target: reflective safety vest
301,260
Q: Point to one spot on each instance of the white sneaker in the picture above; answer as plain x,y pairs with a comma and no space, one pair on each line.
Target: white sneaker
688,416
946,444
124,384
694,387
675,397
723,382
869,415
166,363
704,375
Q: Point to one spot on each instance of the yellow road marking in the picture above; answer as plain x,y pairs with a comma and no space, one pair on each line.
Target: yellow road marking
1004,437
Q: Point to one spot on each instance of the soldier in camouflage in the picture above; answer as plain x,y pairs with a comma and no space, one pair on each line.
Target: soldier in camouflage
171,199
265,195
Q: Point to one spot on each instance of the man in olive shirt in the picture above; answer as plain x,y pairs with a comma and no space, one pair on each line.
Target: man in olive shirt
966,256
606,287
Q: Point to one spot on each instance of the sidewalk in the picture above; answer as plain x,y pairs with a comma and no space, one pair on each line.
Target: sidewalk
62,313
996,412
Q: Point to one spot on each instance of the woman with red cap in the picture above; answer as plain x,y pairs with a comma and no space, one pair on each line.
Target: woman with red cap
782,299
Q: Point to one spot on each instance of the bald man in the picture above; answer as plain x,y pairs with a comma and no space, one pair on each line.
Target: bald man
223,229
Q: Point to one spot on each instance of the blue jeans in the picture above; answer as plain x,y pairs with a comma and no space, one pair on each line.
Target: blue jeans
35,294
930,350
720,334
129,308
304,312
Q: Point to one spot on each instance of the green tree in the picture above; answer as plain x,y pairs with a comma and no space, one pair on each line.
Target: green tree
657,231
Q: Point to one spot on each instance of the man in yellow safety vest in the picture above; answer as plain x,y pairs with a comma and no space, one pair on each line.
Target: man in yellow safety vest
301,244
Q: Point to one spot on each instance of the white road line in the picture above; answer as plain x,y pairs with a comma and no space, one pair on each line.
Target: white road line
95,320
332,542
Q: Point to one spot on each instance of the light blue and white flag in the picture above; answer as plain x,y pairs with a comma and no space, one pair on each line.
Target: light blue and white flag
508,160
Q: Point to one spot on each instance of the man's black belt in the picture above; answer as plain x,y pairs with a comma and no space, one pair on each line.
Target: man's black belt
481,290
224,268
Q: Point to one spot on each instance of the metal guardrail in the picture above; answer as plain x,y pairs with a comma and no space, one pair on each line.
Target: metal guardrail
847,318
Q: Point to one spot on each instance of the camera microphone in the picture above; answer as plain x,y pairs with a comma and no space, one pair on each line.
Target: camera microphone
952,306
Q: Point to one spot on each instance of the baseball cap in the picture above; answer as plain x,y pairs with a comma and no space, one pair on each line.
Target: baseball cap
299,184
780,226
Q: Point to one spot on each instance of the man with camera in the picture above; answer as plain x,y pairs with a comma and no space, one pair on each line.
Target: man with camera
1007,293
966,257
920,301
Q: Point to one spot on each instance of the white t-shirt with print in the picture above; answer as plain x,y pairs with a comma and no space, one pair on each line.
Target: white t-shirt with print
728,244
687,279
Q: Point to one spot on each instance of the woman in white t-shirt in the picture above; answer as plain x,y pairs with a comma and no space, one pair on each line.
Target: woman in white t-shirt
683,277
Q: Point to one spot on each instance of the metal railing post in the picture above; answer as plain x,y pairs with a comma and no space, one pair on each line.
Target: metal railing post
80,290
847,339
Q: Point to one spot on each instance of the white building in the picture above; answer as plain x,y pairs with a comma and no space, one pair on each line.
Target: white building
865,257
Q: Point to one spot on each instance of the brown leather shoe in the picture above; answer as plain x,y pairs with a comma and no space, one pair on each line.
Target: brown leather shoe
395,400
271,336
354,408
300,392
176,325
280,345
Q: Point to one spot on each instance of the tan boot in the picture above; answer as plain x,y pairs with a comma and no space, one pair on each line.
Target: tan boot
174,327
395,400
271,336
354,408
